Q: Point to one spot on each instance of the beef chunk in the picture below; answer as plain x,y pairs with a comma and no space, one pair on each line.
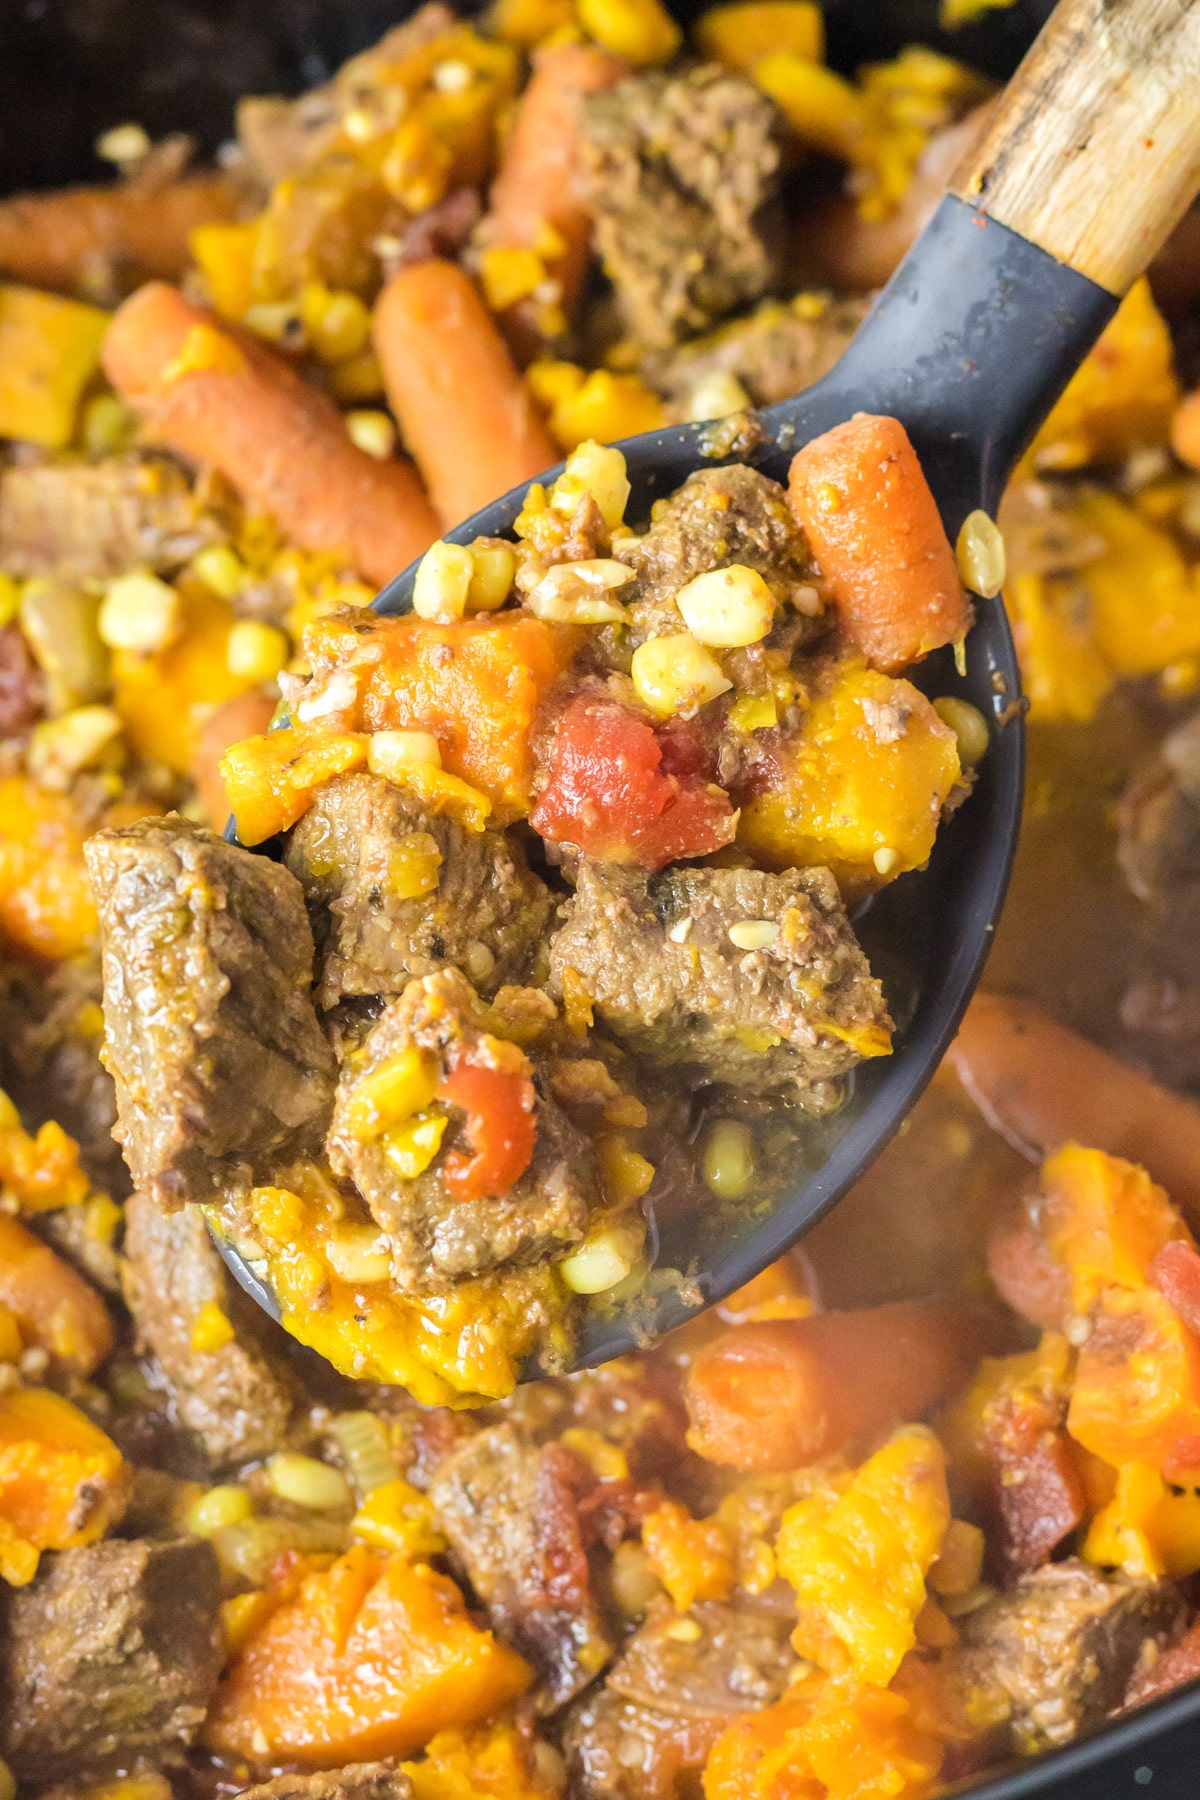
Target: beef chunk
219,1061
91,521
781,349
679,169
110,1658
718,517
236,1398
1054,1654
360,1781
655,955
50,1058
509,1511
666,1699
1159,842
486,916
436,1234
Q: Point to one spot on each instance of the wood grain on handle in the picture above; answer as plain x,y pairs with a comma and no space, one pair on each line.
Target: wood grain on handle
1094,150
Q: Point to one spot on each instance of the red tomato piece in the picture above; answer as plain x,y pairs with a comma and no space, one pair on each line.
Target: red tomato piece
1175,1272
501,1128
611,793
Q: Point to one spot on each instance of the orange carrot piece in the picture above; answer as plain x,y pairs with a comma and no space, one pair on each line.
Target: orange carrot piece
779,1394
1185,430
55,1308
874,527
65,240
219,398
1025,1274
464,411
539,180
1039,1085
246,715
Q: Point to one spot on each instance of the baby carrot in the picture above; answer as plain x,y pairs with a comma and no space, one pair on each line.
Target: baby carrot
463,409
866,509
246,715
1025,1274
536,197
1040,1085
219,398
66,240
781,1393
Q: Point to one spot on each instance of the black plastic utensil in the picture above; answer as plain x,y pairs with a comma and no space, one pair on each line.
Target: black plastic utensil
1089,158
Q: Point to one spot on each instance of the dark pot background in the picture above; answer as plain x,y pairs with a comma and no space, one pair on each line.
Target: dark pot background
69,69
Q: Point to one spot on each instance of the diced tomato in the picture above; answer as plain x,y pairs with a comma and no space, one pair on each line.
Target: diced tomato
612,793
1036,1488
1175,1272
501,1127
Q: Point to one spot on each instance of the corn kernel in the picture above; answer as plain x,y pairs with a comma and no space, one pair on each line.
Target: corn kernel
410,1148
374,432
139,613
642,31
354,1253
60,748
493,568
509,274
357,379
980,555
392,753
717,395
550,380
107,426
599,471
219,1506
243,1616
599,1263
968,725
959,1564
402,1085
211,1329
307,1482
123,144
397,1516
579,593
676,675
624,1175
220,569
728,1162
443,582
256,651
338,322
886,859
726,608
278,322
416,170
754,934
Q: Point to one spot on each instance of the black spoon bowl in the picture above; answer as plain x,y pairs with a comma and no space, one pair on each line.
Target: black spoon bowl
969,345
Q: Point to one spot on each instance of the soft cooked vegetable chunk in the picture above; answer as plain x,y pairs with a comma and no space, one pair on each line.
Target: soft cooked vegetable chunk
860,786
1136,1396
49,351
783,1393
1105,1220
54,1307
45,906
840,1743
63,1483
84,238
1121,396
273,778
370,1659
865,505
494,1760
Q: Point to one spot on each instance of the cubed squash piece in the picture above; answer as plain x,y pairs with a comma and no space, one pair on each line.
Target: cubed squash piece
1145,602
164,698
841,1743
63,1483
1063,673
741,34
464,1765
371,1658
55,1308
1121,397
692,1557
1105,1220
271,778
49,351
1136,1396
861,785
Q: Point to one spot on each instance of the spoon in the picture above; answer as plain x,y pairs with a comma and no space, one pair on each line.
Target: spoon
1089,158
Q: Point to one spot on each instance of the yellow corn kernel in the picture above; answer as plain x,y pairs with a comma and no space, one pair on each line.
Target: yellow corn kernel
397,1516
217,1507
603,408
60,748
49,351
139,613
224,255
624,1175
205,350
243,1617
728,1162
551,380
596,470
443,581
822,108
414,865
642,31
417,168
337,322
357,379
412,1147
278,1212
580,593
307,1482
727,608
969,727
607,1461
600,1262
742,34
374,432
256,652
528,22
393,753
278,322
220,569
11,1344
493,567
676,676
717,395
509,274
354,1252
402,1085
210,1328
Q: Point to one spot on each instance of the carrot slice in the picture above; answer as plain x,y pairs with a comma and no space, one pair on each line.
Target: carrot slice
216,397
865,506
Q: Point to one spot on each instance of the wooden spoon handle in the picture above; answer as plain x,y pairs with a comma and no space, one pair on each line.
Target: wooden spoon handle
1093,152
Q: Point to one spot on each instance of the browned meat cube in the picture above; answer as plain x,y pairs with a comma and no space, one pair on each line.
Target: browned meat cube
437,1232
781,349
91,521
794,1003
719,517
360,1781
666,1699
679,170
110,1659
237,1398
219,1061
1054,1654
353,854
510,1512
